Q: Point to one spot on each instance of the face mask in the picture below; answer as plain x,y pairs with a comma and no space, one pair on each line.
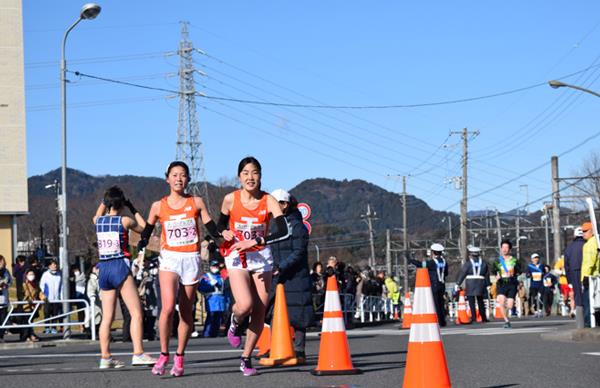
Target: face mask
53,272
76,273
154,271
31,277
214,270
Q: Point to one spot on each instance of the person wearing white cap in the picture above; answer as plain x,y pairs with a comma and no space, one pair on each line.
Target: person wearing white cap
573,256
290,264
476,273
438,270
535,271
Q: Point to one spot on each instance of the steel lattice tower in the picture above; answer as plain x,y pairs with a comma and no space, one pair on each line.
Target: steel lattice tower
189,146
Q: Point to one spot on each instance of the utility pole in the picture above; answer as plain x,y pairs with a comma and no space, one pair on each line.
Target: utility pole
463,203
518,233
545,217
555,211
388,253
369,217
318,253
404,234
189,145
498,229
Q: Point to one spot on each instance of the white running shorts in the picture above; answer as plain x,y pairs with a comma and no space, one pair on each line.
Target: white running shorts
257,261
184,264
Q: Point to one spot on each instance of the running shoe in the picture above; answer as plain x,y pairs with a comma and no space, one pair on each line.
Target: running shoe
507,325
110,363
159,368
246,367
142,359
177,369
234,338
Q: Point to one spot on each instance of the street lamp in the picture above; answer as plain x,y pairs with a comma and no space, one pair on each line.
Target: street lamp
558,84
88,12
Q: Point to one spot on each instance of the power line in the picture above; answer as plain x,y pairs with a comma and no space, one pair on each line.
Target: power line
357,107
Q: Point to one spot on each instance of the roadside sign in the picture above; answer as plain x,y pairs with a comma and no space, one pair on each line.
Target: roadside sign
308,226
304,210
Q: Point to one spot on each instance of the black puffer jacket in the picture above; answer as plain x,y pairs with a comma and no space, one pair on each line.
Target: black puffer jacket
291,257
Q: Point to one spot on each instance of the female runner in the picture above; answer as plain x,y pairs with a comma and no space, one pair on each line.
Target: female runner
244,223
179,263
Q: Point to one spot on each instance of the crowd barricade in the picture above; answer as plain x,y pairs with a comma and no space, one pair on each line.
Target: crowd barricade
594,290
364,309
14,311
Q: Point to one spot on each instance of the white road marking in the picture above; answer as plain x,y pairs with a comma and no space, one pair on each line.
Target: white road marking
592,354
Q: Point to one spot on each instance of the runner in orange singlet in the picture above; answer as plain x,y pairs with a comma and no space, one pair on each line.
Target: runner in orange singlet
179,266
244,223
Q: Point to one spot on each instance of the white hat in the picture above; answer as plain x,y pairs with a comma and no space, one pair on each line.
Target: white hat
578,232
281,195
535,255
474,250
437,247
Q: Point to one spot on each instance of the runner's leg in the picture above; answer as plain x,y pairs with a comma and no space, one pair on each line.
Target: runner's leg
109,303
169,282
132,301
260,292
187,298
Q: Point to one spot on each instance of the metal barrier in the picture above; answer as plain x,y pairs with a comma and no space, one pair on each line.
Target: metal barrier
367,309
14,312
594,290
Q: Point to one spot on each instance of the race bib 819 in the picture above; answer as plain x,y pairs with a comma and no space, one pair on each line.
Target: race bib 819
109,243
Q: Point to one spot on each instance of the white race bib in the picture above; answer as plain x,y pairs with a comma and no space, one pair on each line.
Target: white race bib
181,232
251,231
537,276
109,243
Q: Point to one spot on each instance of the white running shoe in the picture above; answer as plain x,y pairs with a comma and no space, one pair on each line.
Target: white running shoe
110,363
142,360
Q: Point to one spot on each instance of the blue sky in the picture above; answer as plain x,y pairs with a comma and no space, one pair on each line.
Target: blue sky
333,53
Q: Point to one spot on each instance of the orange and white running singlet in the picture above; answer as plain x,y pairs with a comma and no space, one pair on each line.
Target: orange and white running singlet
248,224
179,243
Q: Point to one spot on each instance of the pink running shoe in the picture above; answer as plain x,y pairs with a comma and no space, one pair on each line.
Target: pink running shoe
159,368
246,367
234,338
177,369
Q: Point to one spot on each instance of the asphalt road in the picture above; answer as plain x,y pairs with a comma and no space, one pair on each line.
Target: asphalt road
477,356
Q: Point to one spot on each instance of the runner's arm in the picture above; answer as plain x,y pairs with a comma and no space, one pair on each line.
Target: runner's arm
223,224
149,226
99,212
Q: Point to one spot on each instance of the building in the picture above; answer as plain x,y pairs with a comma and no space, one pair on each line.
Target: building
13,158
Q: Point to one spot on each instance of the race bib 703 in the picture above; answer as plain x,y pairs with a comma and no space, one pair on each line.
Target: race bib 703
181,232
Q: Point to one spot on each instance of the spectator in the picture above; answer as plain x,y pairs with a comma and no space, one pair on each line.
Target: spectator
589,267
147,284
549,281
77,280
290,258
360,282
522,303
5,282
93,294
31,293
211,285
393,294
51,286
34,264
317,280
19,274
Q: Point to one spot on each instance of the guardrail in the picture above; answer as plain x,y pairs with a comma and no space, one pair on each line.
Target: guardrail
367,309
14,312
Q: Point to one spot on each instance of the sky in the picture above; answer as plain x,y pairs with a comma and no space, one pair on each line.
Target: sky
334,53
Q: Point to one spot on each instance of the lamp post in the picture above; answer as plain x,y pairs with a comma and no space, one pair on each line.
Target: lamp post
558,84
88,12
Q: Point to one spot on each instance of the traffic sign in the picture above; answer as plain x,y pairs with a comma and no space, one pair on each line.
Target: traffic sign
304,210
308,226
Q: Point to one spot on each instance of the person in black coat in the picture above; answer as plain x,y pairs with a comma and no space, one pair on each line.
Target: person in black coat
573,256
438,270
477,275
290,262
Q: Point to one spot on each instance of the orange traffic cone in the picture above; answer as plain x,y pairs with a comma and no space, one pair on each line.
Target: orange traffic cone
462,318
407,312
426,362
498,312
282,348
264,341
479,319
334,354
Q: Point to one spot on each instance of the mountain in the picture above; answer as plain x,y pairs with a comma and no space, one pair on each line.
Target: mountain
336,206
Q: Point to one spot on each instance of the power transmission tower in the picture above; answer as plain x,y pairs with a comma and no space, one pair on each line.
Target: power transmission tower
463,203
369,217
189,145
